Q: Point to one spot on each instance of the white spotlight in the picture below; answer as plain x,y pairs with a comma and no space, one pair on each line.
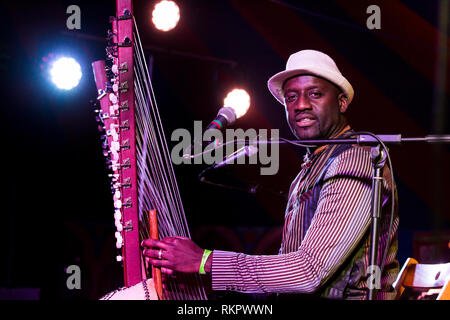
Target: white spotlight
238,100
165,15
65,73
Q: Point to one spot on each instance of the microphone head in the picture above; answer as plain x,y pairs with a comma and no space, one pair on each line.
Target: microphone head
228,113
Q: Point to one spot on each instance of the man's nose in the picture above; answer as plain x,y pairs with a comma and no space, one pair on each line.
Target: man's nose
303,103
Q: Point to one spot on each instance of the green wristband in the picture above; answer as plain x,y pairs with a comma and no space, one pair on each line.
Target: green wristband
206,254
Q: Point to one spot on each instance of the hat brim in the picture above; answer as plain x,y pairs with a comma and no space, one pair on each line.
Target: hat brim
276,82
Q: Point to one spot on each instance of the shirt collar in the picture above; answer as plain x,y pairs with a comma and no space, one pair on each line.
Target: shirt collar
321,148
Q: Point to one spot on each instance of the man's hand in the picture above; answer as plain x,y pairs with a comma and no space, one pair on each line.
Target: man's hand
174,254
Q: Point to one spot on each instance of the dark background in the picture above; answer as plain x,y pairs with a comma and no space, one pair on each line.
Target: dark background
57,206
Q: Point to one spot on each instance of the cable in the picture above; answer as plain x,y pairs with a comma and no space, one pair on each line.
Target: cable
298,144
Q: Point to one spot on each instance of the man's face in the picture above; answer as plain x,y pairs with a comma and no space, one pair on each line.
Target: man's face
313,107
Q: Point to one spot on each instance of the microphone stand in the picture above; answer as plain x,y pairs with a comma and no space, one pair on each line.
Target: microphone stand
378,161
378,157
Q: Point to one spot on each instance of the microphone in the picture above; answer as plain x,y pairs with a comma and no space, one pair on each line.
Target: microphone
235,105
244,151
225,117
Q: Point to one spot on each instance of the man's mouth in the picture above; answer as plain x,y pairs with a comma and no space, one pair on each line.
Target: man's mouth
305,122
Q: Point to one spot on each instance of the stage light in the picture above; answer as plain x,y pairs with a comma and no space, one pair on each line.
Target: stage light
165,15
65,73
238,100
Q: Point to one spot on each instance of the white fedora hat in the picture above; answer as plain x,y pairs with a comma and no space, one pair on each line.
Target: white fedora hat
310,62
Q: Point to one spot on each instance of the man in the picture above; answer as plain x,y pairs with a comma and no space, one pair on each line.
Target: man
325,249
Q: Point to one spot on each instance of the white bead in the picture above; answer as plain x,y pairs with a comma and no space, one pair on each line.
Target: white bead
114,156
117,204
113,98
115,146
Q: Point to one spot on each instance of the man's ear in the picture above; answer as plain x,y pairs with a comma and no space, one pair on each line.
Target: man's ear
343,102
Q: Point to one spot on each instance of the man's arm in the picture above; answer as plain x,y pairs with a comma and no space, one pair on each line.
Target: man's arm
341,219
175,254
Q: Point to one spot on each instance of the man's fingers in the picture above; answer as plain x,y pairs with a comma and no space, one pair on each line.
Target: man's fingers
158,263
174,238
154,253
152,243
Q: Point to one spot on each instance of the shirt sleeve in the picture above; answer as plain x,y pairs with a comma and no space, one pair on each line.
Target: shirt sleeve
340,221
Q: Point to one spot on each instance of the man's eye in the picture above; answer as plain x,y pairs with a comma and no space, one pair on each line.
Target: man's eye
290,98
316,94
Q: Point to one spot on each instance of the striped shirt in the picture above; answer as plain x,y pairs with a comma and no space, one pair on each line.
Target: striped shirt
322,239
